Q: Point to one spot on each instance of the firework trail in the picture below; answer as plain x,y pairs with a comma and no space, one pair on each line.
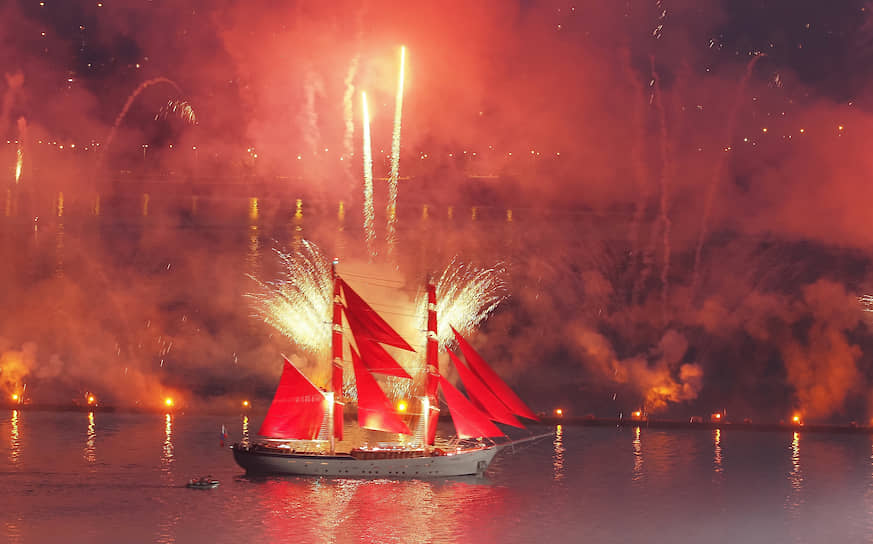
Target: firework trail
14,83
666,169
637,158
369,212
720,166
348,112
22,137
299,305
180,108
143,86
391,234
313,87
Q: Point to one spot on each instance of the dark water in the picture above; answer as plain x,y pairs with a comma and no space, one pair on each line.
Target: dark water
110,477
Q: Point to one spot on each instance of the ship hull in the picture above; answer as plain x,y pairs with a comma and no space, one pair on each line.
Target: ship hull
463,463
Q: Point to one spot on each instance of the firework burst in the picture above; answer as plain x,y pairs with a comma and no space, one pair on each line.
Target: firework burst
466,296
180,108
299,304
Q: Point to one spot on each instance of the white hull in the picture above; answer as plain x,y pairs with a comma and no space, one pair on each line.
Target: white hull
463,463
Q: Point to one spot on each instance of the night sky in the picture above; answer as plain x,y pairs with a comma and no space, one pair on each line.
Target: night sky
718,150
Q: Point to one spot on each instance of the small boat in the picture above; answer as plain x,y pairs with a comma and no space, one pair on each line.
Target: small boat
304,421
202,483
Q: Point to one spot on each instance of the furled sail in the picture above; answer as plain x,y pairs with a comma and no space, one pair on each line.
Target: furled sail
470,422
374,410
374,356
492,380
371,325
482,397
297,410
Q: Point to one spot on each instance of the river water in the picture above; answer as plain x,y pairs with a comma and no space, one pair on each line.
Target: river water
118,477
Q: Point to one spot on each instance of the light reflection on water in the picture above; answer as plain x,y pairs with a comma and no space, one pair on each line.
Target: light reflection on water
131,495
167,453
795,497
14,438
717,458
558,456
90,452
638,456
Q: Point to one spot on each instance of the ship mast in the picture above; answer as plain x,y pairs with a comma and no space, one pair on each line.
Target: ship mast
336,379
431,408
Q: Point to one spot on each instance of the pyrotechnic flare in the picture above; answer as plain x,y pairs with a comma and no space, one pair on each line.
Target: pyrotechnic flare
143,86
178,107
369,212
391,234
719,167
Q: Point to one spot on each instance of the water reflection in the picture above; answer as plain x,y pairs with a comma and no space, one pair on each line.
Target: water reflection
8,202
253,256
145,204
167,455
558,455
90,453
245,429
14,438
97,206
795,497
59,251
717,459
253,209
59,205
638,456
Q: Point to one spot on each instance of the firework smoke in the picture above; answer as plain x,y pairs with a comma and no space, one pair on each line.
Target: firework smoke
14,83
391,233
369,212
143,86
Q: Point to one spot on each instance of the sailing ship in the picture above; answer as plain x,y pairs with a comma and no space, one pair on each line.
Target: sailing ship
304,422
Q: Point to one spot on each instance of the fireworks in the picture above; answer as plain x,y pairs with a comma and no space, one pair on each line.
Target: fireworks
143,86
466,295
299,304
395,157
180,108
369,213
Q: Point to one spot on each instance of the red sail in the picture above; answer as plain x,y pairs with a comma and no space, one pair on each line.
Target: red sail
374,409
482,397
372,325
297,410
469,421
492,380
374,356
